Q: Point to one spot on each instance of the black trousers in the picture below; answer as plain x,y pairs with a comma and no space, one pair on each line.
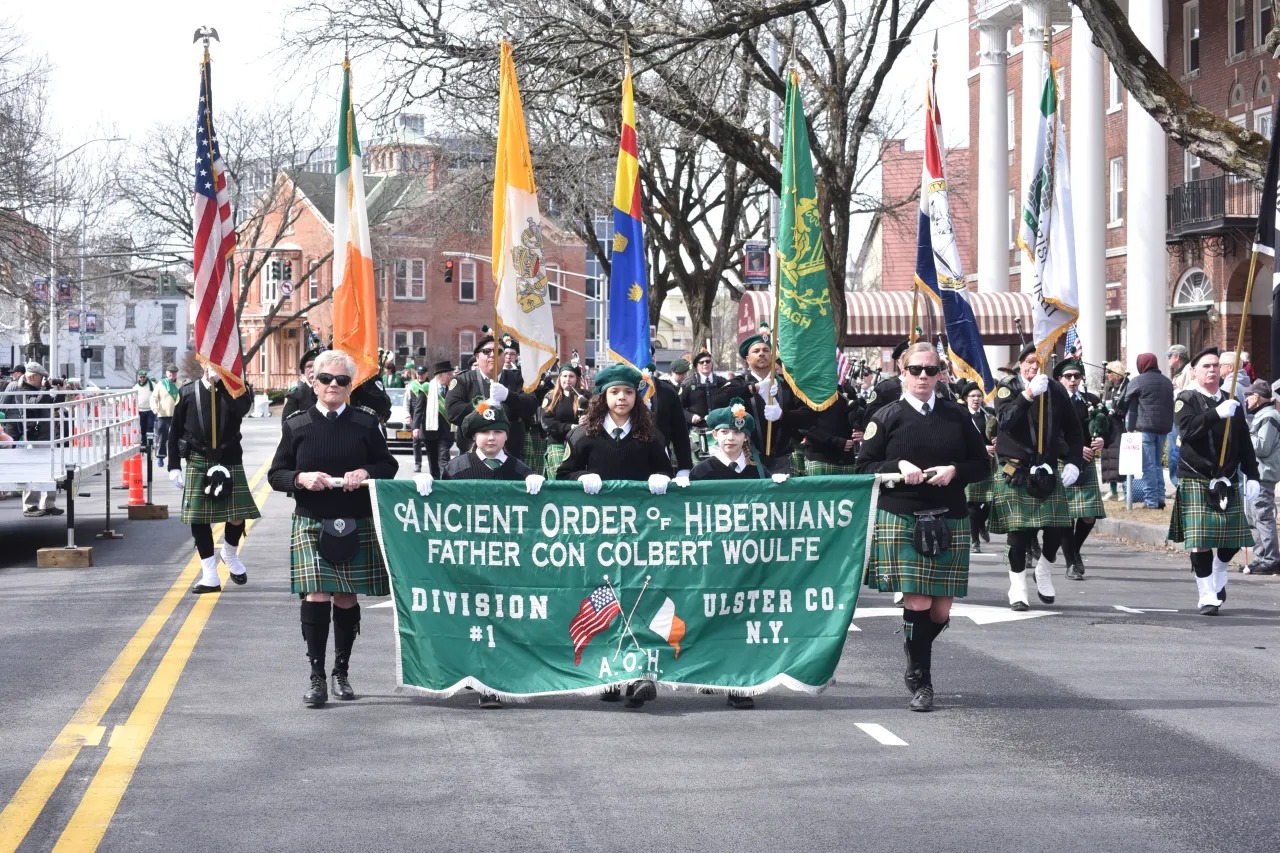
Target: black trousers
437,453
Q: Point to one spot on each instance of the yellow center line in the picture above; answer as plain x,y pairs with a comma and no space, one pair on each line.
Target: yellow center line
84,728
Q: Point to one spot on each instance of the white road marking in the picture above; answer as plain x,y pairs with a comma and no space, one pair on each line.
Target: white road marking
380,604
980,614
881,734
1124,609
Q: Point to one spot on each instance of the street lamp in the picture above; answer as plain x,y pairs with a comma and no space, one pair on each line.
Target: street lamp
53,271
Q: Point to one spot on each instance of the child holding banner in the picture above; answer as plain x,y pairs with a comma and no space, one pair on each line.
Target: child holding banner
618,442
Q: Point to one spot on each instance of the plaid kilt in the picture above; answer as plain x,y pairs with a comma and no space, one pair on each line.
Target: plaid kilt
1084,499
1195,524
535,448
896,566
1014,509
980,492
798,464
365,574
818,468
198,508
552,459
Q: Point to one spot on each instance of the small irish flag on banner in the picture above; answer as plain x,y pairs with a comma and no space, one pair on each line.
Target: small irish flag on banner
667,625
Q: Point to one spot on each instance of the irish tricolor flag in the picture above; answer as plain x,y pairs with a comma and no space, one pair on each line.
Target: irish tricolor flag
519,274
667,625
355,315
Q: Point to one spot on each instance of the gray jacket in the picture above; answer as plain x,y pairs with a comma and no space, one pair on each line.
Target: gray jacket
1150,406
1265,433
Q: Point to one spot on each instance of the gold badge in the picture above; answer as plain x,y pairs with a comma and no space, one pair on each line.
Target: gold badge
1004,393
1177,407
453,383
871,398
870,432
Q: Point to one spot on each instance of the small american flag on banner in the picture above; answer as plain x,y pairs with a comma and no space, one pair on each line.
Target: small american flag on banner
217,333
843,367
595,615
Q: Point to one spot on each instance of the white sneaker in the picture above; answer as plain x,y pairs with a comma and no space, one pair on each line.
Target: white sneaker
1044,581
1018,590
1110,497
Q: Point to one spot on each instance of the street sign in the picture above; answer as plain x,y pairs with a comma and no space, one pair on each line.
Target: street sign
1131,454
286,288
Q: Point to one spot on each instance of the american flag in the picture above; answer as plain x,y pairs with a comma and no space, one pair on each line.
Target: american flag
595,615
217,334
843,366
1073,345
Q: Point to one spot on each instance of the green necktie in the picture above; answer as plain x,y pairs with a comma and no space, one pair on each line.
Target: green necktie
493,464
924,410
617,433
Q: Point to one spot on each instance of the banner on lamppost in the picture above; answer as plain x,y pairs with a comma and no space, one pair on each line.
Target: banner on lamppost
73,320
755,264
91,322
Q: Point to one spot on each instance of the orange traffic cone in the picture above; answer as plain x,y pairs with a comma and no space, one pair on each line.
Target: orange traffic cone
136,495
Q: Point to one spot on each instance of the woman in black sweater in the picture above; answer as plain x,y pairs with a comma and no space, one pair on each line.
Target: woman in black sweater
563,408
932,444
326,453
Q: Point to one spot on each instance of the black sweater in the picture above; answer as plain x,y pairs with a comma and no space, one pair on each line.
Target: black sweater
559,421
1019,420
310,442
1200,431
712,468
468,466
945,436
192,426
624,459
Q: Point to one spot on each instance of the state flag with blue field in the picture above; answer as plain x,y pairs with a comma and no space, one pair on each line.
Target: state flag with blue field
628,280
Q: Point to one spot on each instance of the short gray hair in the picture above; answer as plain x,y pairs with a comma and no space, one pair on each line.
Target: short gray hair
335,356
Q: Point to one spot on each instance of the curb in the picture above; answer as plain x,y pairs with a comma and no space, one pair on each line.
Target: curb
1134,531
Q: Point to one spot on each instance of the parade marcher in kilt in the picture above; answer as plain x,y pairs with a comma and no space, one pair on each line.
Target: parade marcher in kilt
618,442
485,429
978,495
223,495
888,390
370,395
1084,497
669,418
1207,515
770,399
507,391
831,444
935,448
563,408
429,417
325,454
1029,495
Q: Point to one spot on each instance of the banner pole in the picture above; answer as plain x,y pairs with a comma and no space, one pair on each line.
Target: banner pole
1235,375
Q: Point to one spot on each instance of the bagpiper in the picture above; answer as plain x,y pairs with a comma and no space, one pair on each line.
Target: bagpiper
1084,497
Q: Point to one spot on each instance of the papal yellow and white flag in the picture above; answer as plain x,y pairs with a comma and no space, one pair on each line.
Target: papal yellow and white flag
520,279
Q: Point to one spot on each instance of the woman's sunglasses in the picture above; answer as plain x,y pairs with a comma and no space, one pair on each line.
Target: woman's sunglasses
329,378
927,369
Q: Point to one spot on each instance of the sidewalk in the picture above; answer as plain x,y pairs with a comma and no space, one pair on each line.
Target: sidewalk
1140,525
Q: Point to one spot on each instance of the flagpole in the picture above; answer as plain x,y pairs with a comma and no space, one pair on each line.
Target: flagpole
213,386
1052,159
777,303
1235,375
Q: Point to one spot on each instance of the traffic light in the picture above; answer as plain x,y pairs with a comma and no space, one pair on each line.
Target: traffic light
448,271
288,270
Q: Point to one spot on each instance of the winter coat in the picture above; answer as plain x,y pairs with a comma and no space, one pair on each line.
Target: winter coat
1150,406
1265,434
1111,452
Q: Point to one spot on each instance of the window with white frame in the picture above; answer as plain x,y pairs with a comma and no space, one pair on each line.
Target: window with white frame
1263,20
118,352
1115,89
1011,119
313,284
466,345
467,281
1190,167
130,315
168,319
1237,18
414,340
96,368
1115,191
410,279
1191,36
553,284
1014,210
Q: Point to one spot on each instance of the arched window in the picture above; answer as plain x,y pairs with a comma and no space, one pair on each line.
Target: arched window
1190,315
1237,94
1263,89
1194,291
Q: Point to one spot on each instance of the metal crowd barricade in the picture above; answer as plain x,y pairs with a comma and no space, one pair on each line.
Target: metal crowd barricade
81,434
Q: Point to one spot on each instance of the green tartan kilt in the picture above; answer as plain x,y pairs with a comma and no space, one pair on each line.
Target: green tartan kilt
535,448
199,508
1084,498
798,464
696,438
818,468
1014,509
552,459
1197,525
896,566
980,492
365,574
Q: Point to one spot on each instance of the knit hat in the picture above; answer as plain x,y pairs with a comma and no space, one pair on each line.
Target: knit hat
734,416
487,416
617,374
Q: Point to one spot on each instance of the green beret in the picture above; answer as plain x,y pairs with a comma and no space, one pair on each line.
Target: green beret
487,416
745,346
966,389
617,374
308,356
1068,364
679,366
734,416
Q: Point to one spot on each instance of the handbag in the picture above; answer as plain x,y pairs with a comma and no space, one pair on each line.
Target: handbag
217,483
338,540
931,537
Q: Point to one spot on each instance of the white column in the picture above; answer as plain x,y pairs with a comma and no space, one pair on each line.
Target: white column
1088,165
1035,16
993,157
1146,178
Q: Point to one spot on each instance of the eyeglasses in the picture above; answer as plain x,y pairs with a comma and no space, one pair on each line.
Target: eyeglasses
329,378
488,351
926,369
1073,376
702,362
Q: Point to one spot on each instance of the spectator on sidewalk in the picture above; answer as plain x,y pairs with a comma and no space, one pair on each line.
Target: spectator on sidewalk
1115,396
1228,364
1261,512
146,418
163,400
1180,374
29,420
1150,412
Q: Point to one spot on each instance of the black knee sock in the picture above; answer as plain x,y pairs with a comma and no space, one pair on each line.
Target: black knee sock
1017,540
315,630
975,521
203,534
1225,554
232,533
1202,563
1084,526
1053,539
919,633
346,624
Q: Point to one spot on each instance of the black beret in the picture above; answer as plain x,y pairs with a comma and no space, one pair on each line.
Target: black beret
1206,351
1029,348
900,349
966,389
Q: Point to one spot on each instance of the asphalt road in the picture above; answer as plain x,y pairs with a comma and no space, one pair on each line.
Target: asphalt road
137,717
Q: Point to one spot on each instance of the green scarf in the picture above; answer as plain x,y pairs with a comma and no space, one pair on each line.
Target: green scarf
170,387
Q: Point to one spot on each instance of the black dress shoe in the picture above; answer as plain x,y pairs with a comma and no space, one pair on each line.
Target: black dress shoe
741,703
1209,610
1074,572
923,700
239,579
613,694
985,534
1019,607
53,510
201,589
317,694
490,701
640,692
341,686
912,676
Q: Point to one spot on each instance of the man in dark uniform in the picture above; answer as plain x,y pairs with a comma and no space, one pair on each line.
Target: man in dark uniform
432,432
1207,514
668,416
370,394
831,443
508,392
888,390
697,395
1028,494
1084,499
771,401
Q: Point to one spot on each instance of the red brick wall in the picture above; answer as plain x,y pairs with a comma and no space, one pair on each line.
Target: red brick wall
898,236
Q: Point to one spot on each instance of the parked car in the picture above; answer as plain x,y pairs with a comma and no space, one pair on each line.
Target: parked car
397,429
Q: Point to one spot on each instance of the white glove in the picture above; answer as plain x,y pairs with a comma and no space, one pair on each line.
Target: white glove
1070,474
1251,489
772,412
423,482
533,483
658,484
779,478
763,387
682,479
1227,408
175,477
591,483
1039,385
497,392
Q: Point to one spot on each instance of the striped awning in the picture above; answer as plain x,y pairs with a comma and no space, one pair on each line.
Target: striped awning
883,317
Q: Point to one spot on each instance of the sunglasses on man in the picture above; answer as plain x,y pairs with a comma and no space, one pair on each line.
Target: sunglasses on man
926,369
487,351
329,379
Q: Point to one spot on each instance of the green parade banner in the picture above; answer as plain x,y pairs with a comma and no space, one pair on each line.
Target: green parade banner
742,585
